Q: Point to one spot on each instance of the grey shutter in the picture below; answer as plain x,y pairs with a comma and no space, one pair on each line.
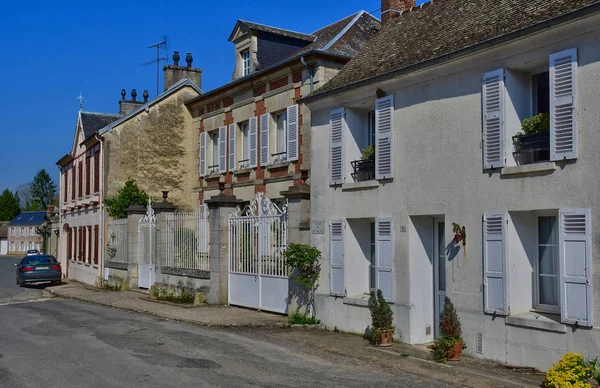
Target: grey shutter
575,266
563,105
264,140
222,149
384,133
384,252
292,133
336,146
232,149
253,141
493,119
336,257
202,167
495,281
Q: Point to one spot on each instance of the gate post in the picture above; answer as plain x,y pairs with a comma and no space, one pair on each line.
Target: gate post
162,210
219,208
134,214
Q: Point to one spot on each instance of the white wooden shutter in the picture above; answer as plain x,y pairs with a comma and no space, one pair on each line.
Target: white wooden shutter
336,257
384,252
337,127
563,105
253,141
222,149
202,167
292,133
264,140
575,266
232,149
493,119
495,281
384,133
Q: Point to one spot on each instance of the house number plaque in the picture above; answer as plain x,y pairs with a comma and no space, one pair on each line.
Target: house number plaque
317,227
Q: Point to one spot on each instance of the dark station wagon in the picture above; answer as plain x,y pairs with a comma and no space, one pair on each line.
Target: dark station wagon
38,268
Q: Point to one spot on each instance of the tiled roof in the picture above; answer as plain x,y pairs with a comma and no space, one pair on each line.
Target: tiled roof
3,229
276,31
28,219
442,27
92,122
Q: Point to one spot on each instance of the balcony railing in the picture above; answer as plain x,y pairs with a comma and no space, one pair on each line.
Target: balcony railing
244,164
364,170
213,169
279,157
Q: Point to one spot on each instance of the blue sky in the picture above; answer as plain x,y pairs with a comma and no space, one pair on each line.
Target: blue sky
55,50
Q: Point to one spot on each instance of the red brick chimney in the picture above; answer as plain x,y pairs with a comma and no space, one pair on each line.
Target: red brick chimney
391,8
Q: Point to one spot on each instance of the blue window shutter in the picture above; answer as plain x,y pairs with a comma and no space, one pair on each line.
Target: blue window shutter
264,140
232,133
337,127
575,266
384,133
336,257
222,149
384,251
202,166
563,105
292,132
493,119
495,279
253,141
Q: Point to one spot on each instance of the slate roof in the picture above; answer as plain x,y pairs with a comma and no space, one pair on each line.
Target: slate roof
29,219
3,229
92,122
273,30
440,28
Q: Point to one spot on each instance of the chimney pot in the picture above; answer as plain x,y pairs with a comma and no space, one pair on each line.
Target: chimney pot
133,94
176,58
123,94
145,95
392,8
189,59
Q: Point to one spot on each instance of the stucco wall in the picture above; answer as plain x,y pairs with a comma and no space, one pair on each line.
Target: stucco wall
438,171
159,149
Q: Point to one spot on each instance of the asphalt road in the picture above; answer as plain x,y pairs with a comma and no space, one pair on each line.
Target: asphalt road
68,344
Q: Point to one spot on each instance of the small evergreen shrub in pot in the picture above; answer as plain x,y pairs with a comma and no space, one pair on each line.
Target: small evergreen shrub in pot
450,344
382,328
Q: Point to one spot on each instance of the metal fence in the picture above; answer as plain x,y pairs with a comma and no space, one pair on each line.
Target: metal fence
187,240
116,249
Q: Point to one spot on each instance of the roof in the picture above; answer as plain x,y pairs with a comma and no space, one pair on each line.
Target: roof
92,122
440,28
3,229
341,39
271,30
29,219
175,87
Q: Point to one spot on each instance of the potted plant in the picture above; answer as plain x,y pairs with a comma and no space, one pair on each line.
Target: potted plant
535,133
382,329
450,344
364,168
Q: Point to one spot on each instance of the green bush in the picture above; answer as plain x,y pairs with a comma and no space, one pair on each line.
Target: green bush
382,316
301,319
368,153
536,124
450,332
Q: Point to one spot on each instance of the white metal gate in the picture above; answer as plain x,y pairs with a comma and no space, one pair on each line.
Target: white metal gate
258,276
146,241
187,240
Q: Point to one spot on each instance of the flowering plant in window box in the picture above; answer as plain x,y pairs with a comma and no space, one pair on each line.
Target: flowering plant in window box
535,134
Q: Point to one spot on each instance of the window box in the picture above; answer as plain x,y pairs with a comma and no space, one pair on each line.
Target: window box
532,142
364,170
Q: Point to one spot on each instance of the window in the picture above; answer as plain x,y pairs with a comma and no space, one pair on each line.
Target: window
23,233
540,93
371,128
280,154
12,232
214,167
246,62
372,258
547,265
245,154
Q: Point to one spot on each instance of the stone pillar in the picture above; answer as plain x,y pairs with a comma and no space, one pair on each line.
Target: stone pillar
162,210
219,208
134,214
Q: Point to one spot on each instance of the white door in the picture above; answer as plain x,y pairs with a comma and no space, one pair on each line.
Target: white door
3,247
439,272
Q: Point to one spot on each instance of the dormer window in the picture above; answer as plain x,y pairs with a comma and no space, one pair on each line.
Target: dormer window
246,61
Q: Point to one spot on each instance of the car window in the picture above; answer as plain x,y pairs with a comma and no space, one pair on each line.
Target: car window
39,260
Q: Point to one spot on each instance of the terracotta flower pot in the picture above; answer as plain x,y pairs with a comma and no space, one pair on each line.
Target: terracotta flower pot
386,338
455,352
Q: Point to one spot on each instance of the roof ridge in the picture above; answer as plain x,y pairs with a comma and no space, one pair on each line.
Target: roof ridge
279,28
343,31
337,21
100,113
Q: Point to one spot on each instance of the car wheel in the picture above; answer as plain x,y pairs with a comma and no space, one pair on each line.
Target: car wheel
21,284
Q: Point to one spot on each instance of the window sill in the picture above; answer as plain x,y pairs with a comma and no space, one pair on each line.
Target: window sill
357,300
275,166
543,321
212,176
364,185
242,171
529,168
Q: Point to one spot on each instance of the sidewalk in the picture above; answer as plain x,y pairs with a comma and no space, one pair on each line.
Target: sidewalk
401,358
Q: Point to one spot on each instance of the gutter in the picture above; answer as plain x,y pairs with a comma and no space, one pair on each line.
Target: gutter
541,26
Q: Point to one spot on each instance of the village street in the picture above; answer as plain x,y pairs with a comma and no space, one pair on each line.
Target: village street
64,343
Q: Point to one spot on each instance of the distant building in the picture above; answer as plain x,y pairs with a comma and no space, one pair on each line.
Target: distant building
3,237
22,232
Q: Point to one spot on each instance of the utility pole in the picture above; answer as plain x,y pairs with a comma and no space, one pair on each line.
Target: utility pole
158,59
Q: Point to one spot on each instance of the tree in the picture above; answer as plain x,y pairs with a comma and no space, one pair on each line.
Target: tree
42,189
128,195
9,205
25,199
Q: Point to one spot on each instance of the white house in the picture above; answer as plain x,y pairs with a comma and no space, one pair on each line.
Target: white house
440,92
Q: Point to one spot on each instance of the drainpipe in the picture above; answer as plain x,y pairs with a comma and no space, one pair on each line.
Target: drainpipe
101,200
310,72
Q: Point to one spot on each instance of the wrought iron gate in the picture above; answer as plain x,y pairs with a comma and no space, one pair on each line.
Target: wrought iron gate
258,276
146,242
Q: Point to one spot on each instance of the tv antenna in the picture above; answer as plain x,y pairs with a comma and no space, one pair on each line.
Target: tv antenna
158,59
